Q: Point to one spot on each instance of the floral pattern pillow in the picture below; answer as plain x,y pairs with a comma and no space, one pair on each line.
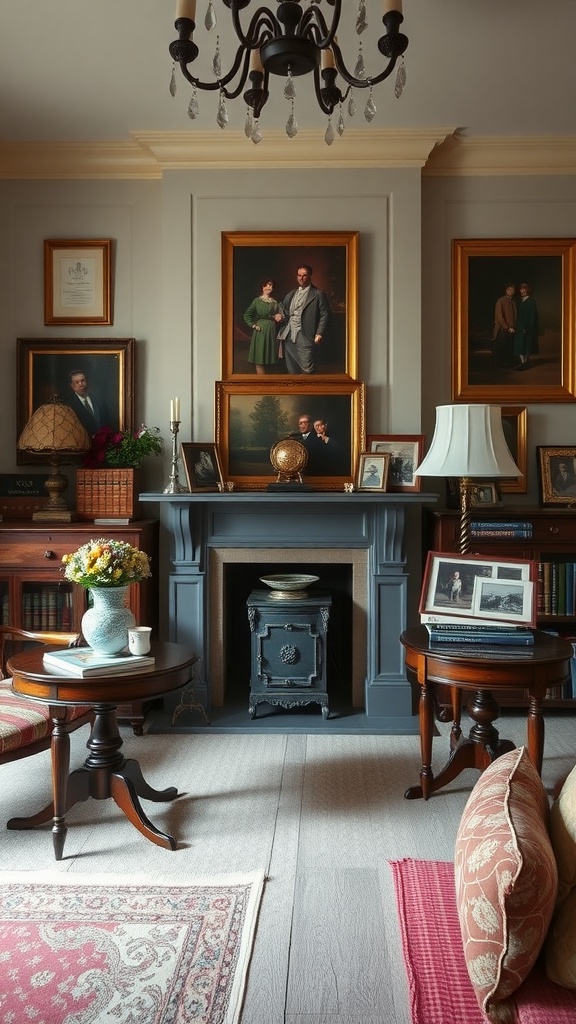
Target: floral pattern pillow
506,879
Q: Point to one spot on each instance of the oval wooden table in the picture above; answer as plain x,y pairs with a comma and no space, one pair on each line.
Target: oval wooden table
106,772
533,669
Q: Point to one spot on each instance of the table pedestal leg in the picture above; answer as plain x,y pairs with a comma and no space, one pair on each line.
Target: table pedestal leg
482,746
105,774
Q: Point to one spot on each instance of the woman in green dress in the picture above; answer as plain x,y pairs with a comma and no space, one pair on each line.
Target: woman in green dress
263,315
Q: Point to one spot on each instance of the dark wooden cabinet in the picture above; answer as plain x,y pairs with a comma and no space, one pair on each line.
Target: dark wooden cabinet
552,545
34,594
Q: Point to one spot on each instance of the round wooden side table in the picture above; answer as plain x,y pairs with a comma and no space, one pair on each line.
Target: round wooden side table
532,669
106,772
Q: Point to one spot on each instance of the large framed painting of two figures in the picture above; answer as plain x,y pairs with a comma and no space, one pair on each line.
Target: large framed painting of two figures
289,304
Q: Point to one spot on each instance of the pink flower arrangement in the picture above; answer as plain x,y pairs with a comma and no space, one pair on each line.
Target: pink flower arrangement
112,448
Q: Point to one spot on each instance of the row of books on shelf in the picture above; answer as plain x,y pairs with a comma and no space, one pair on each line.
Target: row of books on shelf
47,607
556,591
503,529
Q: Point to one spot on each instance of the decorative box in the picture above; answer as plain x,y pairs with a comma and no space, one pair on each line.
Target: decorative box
107,493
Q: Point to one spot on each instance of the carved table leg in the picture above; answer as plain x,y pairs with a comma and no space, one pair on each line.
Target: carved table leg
535,732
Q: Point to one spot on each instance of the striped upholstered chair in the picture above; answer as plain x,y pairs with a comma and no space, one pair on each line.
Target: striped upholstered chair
26,727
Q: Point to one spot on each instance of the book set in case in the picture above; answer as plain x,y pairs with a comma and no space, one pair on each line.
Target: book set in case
547,538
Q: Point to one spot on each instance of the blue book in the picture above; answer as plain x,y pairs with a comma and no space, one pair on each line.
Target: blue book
493,524
490,639
569,588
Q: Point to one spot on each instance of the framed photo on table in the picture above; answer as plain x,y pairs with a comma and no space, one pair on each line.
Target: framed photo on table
502,590
557,475
406,452
202,466
252,258
373,470
252,417
46,366
77,281
513,320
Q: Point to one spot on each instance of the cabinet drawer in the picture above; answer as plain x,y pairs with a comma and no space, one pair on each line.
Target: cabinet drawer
559,531
46,550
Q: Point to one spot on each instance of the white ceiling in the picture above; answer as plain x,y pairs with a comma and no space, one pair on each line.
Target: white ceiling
96,70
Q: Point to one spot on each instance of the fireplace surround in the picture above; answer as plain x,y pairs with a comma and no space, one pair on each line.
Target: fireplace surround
366,531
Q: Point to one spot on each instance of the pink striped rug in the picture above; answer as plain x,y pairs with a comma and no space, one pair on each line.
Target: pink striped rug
438,982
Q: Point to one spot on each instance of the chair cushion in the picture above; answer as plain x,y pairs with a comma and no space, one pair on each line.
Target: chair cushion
23,721
561,941
506,879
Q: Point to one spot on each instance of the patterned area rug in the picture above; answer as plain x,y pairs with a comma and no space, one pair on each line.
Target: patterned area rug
111,950
438,982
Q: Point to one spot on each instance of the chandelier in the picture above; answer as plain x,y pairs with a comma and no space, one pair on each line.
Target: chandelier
295,40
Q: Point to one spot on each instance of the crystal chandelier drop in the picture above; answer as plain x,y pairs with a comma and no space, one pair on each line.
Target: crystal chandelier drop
299,38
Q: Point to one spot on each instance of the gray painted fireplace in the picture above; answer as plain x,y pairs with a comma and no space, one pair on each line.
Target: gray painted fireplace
366,531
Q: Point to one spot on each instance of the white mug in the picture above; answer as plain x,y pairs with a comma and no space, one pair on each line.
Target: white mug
139,639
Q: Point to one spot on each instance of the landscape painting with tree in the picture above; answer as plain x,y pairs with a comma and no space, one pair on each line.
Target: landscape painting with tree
327,419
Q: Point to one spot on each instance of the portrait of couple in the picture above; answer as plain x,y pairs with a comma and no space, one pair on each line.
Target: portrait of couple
289,304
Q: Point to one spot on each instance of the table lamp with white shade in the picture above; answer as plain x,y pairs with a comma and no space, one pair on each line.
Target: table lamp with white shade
468,443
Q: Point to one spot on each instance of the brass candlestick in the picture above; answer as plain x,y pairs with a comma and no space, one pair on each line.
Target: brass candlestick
174,485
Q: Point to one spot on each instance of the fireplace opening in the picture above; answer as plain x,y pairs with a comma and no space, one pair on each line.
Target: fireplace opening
240,579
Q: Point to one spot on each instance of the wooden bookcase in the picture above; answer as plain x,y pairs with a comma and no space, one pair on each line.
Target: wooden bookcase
34,594
553,543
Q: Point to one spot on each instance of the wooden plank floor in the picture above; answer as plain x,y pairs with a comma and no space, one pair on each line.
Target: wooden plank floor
321,814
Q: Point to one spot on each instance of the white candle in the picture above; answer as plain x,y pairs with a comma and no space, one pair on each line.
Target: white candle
255,62
391,5
186,9
327,59
177,409
172,410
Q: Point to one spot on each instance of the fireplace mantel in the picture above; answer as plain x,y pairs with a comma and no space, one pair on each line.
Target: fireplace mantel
302,525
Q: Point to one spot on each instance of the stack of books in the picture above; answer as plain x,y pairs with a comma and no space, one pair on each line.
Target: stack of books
489,634
506,529
83,663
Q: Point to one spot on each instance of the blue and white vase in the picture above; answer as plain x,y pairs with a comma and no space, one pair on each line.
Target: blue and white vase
105,625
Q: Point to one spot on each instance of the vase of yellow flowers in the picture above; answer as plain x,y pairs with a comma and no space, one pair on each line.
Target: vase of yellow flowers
107,568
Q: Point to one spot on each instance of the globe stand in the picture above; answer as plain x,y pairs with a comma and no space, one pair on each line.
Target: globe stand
288,457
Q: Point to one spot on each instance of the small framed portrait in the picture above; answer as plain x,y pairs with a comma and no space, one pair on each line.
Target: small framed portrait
557,475
372,472
484,493
77,281
406,452
483,588
202,466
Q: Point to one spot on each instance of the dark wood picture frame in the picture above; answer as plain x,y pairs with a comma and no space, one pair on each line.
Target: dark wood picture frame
557,489
202,466
515,425
481,269
44,366
406,453
78,281
252,417
249,258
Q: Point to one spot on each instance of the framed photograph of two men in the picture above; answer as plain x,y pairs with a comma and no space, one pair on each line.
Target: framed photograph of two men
289,304
513,320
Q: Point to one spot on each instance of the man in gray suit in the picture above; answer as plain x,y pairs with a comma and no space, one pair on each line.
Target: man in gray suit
307,313
90,409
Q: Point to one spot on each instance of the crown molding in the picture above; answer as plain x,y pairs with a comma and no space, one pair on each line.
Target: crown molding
147,155
461,156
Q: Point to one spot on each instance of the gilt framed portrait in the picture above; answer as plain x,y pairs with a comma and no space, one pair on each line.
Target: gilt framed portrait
65,368
289,304
557,475
327,418
515,426
513,320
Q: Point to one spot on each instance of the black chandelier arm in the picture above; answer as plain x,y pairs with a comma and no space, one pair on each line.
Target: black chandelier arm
262,21
314,25
221,83
328,94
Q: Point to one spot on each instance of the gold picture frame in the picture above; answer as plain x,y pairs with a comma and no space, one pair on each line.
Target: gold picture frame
372,472
406,453
252,417
486,359
557,475
249,258
77,281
